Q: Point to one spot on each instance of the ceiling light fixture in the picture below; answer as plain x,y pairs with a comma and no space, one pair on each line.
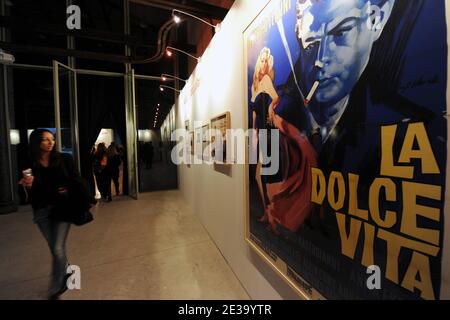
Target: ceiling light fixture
177,19
161,87
164,77
169,52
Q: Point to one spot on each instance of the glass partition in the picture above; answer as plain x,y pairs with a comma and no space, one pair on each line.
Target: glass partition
65,105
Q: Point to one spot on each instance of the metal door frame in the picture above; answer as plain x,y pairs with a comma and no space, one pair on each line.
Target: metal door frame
73,111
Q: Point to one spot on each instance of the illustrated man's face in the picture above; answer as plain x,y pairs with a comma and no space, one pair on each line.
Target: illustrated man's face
336,40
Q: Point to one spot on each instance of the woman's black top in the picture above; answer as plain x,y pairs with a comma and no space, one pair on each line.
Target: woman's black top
47,181
261,108
97,163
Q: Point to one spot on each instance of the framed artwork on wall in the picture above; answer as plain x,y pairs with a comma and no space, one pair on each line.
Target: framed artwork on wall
221,123
205,142
346,99
198,141
186,127
192,142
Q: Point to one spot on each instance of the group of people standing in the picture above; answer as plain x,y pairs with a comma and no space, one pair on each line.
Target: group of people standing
106,163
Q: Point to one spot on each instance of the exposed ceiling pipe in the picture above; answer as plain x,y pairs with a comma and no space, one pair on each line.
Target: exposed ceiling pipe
163,34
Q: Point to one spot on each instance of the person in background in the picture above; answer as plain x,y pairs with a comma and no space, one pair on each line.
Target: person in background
121,152
150,155
47,178
160,148
91,180
102,173
114,162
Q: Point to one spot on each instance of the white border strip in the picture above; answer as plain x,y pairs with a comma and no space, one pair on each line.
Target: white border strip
445,264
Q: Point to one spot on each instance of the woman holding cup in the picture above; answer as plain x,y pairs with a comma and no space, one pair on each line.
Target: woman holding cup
47,180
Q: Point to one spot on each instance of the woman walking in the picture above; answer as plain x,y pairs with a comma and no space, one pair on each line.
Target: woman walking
48,179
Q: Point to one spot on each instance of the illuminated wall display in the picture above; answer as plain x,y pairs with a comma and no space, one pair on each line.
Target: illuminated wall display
145,135
106,136
14,136
357,90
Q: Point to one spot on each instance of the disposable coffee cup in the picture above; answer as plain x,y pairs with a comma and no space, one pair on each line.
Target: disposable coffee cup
27,173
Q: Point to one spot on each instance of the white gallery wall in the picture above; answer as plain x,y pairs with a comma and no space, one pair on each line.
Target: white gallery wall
216,86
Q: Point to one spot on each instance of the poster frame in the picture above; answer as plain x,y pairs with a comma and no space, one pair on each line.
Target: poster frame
227,116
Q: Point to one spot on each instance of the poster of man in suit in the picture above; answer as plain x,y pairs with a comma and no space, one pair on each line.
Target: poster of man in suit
357,91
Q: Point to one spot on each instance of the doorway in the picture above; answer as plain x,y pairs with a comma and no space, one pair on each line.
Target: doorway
155,168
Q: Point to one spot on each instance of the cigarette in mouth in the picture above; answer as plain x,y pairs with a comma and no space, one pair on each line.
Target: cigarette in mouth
312,92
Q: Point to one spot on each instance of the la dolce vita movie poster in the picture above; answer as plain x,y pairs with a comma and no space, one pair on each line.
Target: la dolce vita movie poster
357,90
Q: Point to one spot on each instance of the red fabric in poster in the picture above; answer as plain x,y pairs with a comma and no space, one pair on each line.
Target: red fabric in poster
290,199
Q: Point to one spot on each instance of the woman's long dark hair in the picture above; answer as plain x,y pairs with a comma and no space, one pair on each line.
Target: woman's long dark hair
35,148
101,150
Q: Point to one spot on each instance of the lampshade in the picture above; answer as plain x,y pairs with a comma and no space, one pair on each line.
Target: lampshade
14,136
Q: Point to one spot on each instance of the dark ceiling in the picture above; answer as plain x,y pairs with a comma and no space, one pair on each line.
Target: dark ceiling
37,34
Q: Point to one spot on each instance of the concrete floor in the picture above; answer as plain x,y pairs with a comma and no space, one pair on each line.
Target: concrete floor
161,176
146,249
